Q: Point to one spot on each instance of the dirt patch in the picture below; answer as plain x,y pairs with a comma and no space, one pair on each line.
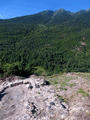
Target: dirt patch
76,92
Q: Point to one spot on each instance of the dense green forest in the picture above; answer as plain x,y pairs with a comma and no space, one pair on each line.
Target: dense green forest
45,43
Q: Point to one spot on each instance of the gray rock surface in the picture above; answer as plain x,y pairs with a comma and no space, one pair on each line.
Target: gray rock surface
35,99
30,99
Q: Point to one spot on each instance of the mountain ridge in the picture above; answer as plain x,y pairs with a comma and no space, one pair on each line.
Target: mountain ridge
80,11
49,17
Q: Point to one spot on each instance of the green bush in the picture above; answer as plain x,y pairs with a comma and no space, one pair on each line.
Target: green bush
11,69
40,71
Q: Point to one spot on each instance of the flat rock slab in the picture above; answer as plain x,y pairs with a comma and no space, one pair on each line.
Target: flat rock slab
20,102
35,99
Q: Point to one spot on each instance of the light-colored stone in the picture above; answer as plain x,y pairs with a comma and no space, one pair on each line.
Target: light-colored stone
19,102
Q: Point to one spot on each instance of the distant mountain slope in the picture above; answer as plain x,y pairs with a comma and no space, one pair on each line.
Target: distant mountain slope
48,42
40,18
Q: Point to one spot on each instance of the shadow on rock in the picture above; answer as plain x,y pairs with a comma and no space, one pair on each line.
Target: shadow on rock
2,94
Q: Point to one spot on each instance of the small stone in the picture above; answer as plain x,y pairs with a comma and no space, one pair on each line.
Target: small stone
52,103
49,107
30,86
37,86
45,82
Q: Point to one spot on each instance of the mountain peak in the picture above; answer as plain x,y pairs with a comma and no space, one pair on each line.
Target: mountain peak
60,11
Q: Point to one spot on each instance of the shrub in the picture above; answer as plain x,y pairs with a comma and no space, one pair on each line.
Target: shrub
11,69
40,71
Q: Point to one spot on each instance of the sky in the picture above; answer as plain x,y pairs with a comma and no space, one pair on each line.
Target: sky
15,8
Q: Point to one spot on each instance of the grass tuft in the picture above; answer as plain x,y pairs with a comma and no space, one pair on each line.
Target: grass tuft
81,91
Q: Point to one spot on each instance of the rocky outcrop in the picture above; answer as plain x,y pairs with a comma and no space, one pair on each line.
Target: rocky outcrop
35,99
30,99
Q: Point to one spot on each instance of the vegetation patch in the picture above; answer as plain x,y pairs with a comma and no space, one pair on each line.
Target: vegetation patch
61,80
72,85
39,71
63,88
81,91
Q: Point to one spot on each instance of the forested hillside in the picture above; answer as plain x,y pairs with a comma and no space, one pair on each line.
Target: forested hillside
45,43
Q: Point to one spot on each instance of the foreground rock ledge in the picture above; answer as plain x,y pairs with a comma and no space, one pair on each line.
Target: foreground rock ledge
30,99
35,99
